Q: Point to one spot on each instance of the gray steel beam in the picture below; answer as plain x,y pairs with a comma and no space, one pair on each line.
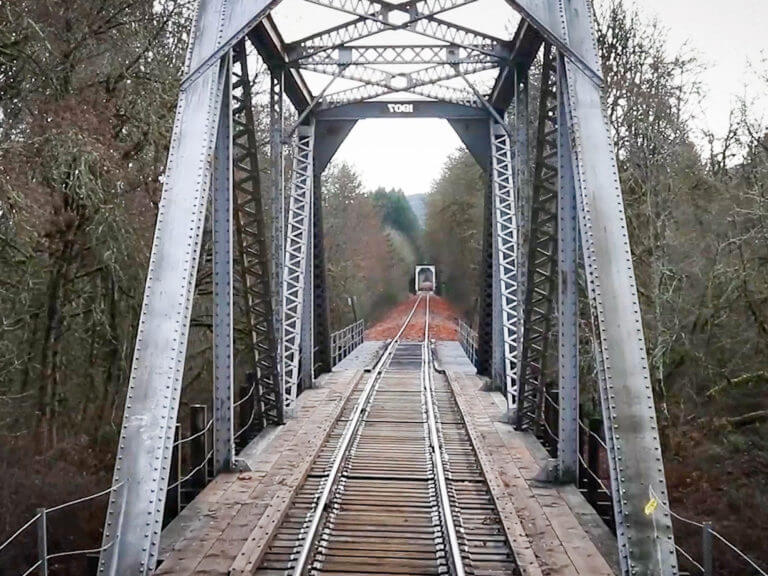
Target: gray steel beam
403,109
253,254
484,357
154,390
295,270
523,193
548,17
307,375
277,205
401,54
269,43
424,25
321,312
219,25
540,250
329,135
474,134
223,344
524,47
505,264
646,543
567,299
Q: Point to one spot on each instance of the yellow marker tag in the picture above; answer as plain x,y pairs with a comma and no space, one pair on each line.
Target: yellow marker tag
651,506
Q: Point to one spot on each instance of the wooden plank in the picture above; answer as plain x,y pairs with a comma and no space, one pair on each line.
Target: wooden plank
550,531
232,504
288,477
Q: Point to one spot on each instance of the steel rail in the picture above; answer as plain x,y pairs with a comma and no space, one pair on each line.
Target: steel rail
344,443
437,455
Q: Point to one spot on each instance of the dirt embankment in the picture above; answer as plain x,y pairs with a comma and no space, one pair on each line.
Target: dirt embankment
443,321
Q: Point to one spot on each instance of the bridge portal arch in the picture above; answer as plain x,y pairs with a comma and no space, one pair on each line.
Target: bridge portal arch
536,222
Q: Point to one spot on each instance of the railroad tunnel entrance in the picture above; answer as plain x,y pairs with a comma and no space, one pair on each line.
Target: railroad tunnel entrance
548,199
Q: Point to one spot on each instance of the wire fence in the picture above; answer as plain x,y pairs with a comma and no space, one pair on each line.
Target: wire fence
346,340
198,445
592,457
40,523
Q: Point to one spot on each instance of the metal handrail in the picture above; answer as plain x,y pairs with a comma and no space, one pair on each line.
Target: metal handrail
344,341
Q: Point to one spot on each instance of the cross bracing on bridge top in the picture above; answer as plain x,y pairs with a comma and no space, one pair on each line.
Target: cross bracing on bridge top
553,207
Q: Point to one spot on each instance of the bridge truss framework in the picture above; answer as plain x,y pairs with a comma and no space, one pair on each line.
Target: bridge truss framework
270,240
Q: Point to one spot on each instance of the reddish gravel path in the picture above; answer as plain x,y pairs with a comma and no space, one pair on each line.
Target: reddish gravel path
442,321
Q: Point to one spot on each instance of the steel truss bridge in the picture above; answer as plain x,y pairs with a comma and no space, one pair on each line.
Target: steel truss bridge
553,212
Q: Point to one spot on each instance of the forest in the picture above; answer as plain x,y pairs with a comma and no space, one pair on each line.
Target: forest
87,99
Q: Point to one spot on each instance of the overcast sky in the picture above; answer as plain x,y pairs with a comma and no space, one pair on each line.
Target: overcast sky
409,154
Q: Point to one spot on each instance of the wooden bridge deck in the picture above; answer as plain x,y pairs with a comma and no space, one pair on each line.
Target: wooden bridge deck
226,529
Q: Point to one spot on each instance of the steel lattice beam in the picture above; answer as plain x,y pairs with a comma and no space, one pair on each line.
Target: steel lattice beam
424,25
390,55
505,245
541,281
253,257
423,82
294,266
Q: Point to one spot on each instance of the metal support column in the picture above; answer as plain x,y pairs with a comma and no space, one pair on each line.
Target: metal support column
154,389
646,543
296,253
253,259
223,346
540,250
484,358
321,313
307,323
524,194
277,209
568,299
505,265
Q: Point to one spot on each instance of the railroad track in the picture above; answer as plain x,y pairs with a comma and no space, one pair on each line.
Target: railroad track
397,487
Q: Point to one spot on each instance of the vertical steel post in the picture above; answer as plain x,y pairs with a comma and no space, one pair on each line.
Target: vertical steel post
706,549
568,299
42,542
505,261
321,313
593,460
198,451
252,245
245,411
173,498
223,347
539,249
523,193
484,360
277,173
296,253
646,543
307,322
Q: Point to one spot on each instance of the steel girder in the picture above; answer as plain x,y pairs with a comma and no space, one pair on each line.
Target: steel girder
505,239
253,258
413,54
436,92
135,513
423,25
294,266
646,542
541,283
320,310
277,204
423,82
223,313
567,297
